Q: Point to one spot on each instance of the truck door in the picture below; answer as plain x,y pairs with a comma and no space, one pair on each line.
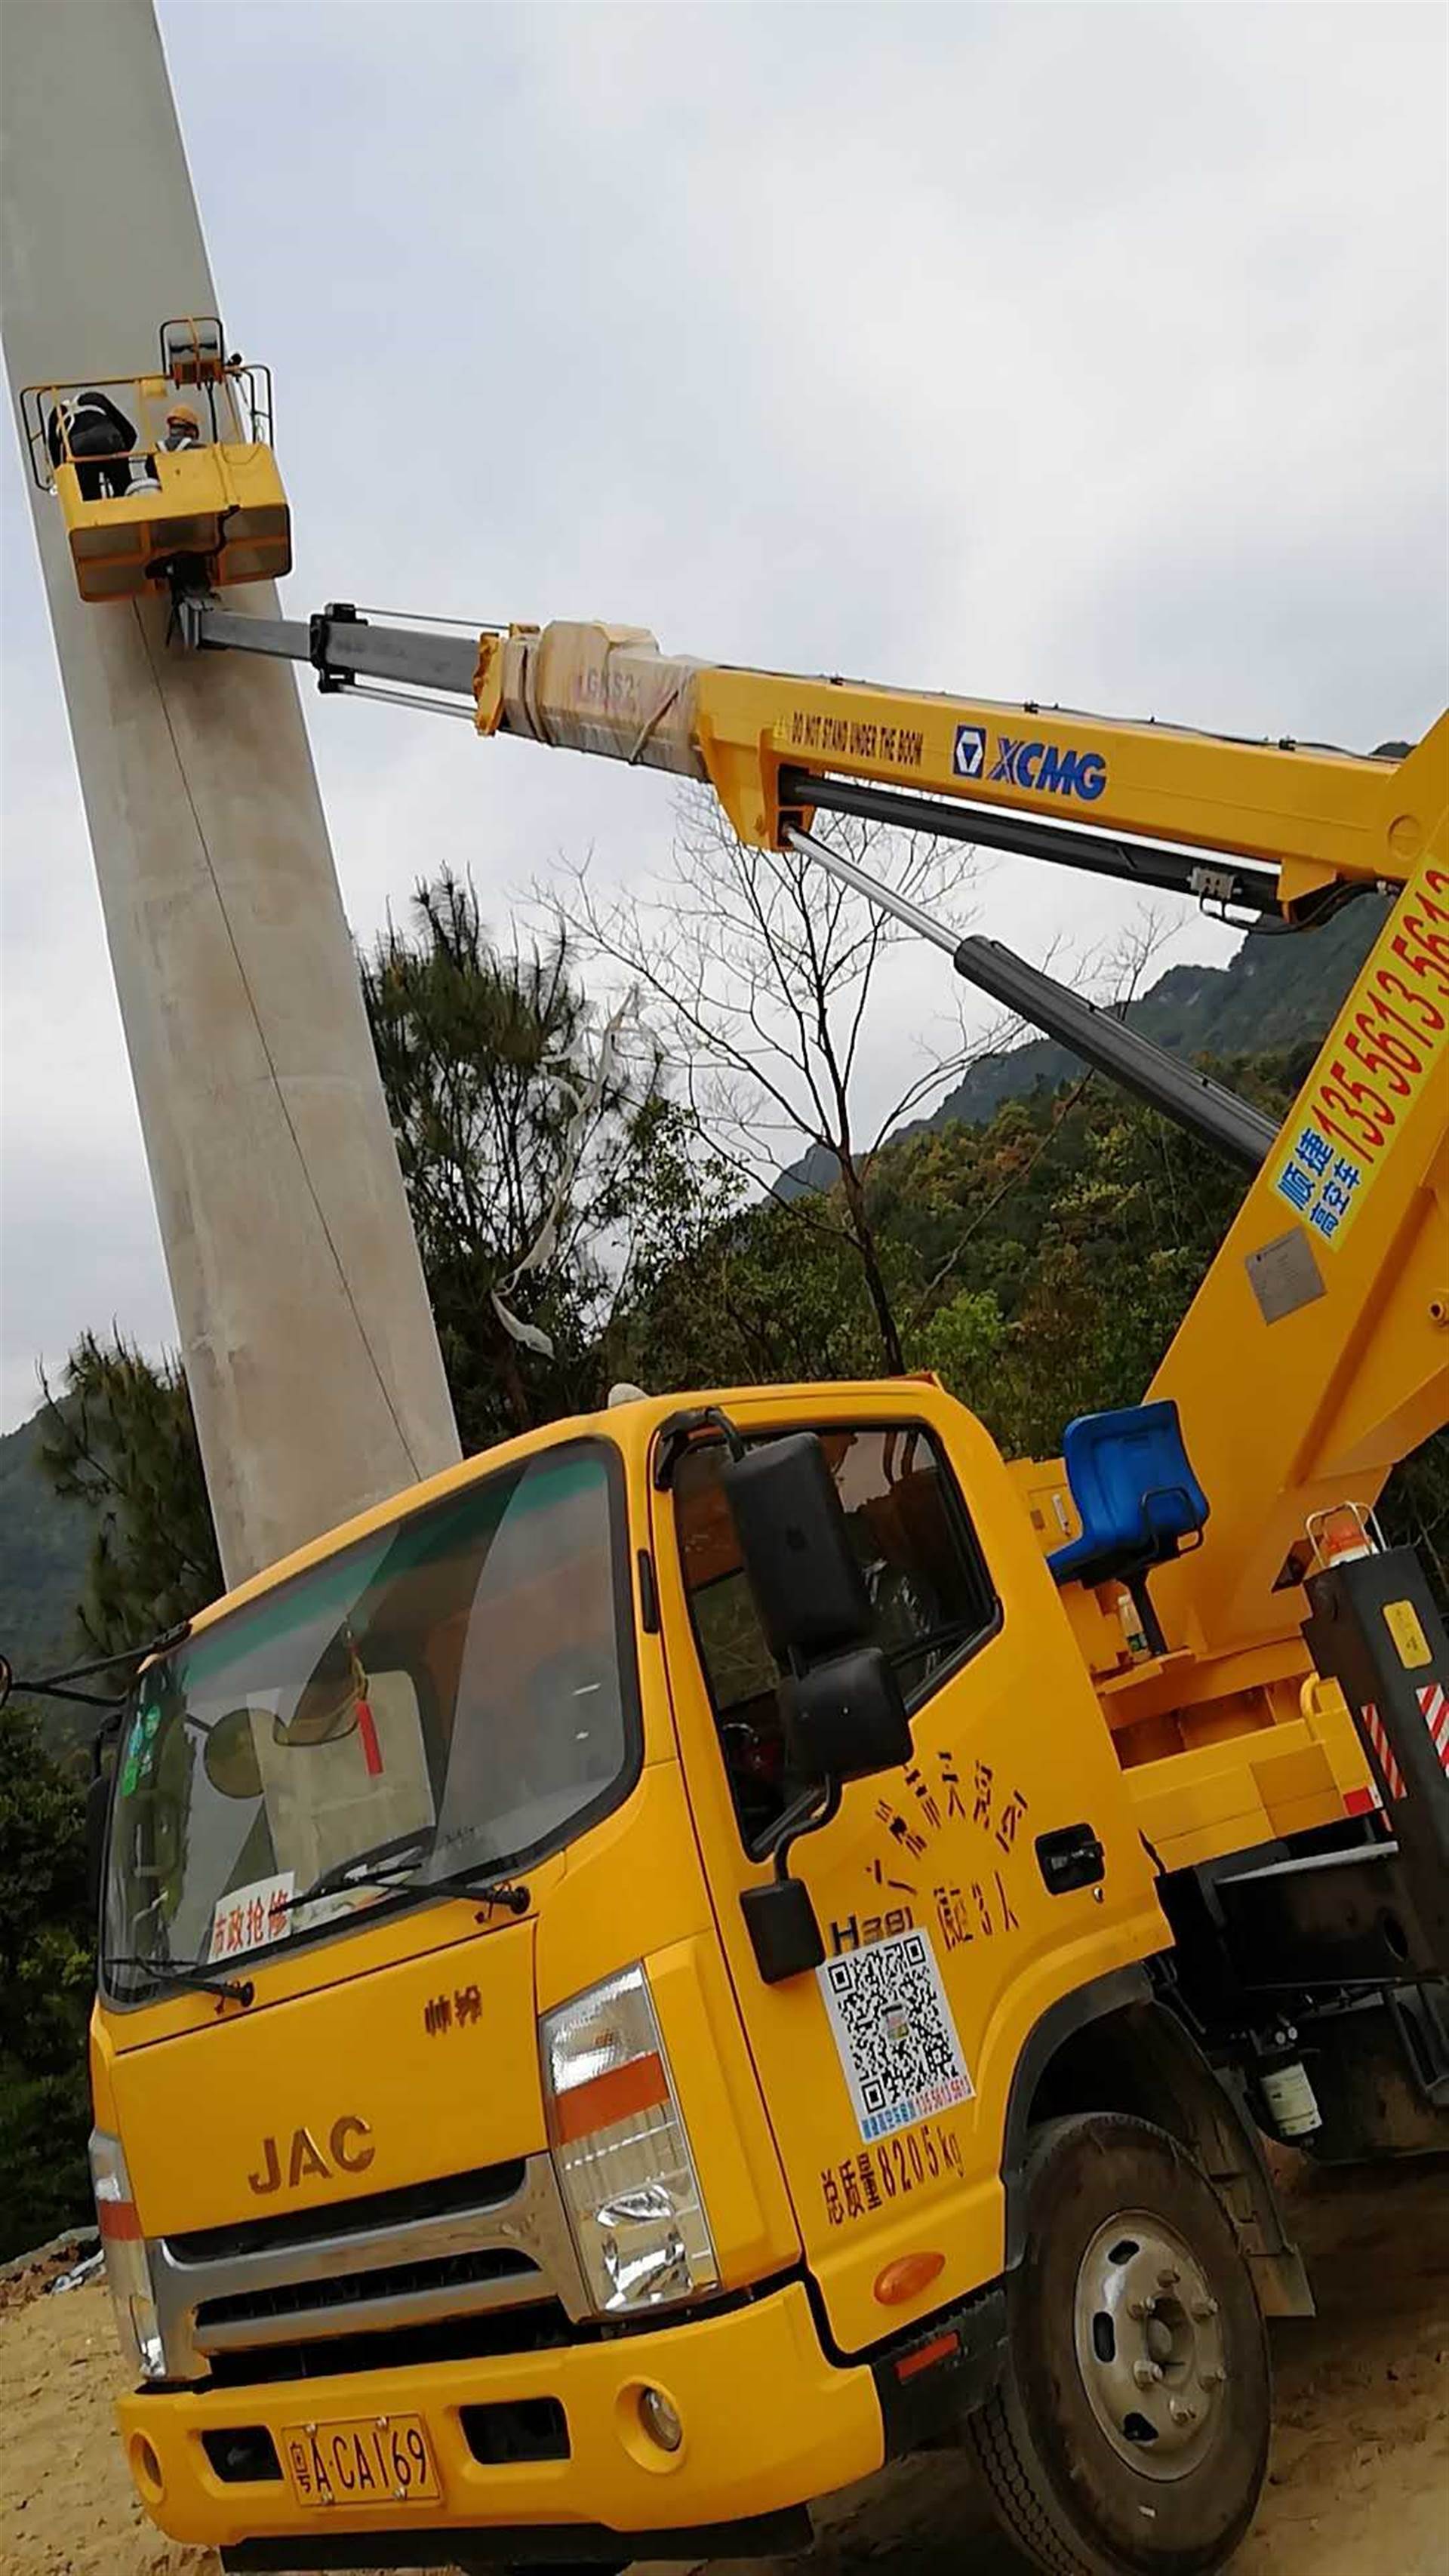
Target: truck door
886,2073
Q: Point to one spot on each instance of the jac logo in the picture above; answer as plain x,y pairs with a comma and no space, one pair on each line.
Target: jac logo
1050,770
304,2158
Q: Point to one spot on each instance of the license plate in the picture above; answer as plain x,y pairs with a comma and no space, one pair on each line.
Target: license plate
361,2460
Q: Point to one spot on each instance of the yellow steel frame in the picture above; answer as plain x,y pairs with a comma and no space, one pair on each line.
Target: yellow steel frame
1290,1412
1318,815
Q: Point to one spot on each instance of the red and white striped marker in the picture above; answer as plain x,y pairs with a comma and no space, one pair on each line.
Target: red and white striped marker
1434,1709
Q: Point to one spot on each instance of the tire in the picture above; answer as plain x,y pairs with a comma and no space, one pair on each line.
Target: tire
1129,2433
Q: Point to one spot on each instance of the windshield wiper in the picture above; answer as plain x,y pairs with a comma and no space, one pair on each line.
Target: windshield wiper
366,1868
395,1866
510,1893
176,1972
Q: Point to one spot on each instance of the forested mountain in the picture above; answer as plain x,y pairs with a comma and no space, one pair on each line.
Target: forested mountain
1279,989
43,1545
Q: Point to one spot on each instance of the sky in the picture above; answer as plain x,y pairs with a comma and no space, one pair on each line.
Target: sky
1089,354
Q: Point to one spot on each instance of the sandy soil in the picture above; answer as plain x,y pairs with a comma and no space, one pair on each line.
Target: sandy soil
1359,2484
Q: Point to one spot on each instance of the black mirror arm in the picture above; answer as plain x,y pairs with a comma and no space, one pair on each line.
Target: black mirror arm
52,1690
815,1808
682,1429
54,1685
780,1917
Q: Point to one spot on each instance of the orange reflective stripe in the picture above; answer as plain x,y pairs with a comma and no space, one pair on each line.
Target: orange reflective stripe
642,2085
119,2221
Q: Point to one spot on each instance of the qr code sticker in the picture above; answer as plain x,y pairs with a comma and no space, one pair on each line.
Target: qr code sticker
895,2033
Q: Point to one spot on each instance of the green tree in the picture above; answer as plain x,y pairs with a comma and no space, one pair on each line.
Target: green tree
122,1439
538,1153
963,1341
45,1979
758,1293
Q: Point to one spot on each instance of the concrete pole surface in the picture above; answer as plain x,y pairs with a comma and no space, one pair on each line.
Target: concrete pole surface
308,1342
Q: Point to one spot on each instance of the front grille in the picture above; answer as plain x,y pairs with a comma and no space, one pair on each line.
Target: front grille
390,2281
486,2338
485,2186
251,2301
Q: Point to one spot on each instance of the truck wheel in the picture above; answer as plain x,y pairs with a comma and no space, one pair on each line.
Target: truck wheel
1130,2429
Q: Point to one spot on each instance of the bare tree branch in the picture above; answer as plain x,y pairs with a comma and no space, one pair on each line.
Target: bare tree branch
760,971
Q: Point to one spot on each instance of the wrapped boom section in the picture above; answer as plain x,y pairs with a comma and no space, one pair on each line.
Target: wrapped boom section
581,687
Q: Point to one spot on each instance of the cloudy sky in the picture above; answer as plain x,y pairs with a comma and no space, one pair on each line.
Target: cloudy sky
1089,354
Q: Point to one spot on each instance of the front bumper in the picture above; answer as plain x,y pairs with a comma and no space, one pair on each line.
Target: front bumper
769,2423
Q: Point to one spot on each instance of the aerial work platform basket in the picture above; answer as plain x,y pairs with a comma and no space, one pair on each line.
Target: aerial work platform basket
153,487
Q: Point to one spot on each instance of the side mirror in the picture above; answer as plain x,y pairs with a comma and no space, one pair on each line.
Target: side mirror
841,1703
229,1756
803,1572
845,1719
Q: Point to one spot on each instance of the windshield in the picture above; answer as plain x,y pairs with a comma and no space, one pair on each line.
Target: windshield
454,1693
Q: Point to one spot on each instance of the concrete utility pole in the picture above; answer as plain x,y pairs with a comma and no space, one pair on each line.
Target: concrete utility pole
305,1328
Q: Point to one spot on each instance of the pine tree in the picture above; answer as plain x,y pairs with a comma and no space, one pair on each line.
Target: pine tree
122,1439
530,1144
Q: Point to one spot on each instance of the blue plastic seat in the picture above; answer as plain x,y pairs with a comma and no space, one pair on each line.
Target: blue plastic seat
1137,1498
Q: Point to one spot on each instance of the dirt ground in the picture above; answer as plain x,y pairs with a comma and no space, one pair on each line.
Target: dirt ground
1359,2483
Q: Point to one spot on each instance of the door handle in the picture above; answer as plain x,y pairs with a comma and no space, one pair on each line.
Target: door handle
1071,1856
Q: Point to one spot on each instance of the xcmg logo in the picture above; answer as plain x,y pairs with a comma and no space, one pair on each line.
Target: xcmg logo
1050,768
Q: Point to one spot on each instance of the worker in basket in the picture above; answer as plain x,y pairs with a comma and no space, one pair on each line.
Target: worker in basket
89,426
183,429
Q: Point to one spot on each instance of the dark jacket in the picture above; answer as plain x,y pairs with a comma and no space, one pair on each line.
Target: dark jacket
94,428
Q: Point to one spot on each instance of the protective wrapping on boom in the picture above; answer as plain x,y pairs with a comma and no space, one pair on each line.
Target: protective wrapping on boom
585,687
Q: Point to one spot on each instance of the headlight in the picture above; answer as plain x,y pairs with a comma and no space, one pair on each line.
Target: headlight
128,2273
621,2150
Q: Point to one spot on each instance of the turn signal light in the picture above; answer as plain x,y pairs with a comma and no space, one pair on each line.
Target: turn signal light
620,2093
621,2152
128,2263
906,2278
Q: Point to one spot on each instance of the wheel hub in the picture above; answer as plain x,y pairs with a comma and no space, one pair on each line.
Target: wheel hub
1149,2343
